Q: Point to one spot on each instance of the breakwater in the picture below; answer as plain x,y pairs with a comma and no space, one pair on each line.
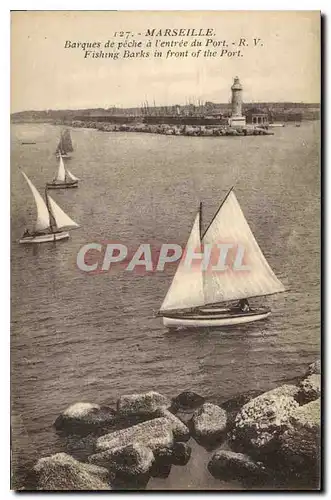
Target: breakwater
167,129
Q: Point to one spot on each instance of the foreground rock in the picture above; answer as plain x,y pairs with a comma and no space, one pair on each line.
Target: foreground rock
300,442
187,401
131,460
180,431
260,422
209,423
154,434
85,418
314,368
145,404
310,389
62,472
233,405
225,464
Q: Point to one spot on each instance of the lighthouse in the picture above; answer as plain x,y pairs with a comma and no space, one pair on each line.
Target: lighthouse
237,119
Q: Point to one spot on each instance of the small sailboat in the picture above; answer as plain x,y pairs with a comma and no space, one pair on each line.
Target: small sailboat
52,222
64,178
205,298
65,145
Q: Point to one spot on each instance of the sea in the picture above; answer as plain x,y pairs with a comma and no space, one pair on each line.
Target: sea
78,336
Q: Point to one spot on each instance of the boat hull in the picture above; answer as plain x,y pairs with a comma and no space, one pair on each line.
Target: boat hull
213,320
66,156
45,238
64,185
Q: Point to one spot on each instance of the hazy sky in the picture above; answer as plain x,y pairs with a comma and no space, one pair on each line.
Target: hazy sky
47,76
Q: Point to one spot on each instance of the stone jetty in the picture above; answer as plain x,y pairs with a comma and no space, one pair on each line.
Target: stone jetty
268,440
167,129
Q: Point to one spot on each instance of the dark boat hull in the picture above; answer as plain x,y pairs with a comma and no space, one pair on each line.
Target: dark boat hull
63,185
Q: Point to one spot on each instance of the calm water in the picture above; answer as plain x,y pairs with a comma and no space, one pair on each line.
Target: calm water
80,337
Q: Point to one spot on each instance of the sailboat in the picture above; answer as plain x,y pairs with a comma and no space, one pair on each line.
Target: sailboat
208,298
52,222
64,146
63,179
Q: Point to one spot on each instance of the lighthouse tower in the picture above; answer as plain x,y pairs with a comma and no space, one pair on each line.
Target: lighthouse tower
237,119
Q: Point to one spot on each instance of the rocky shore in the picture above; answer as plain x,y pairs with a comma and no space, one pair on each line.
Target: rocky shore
267,440
166,129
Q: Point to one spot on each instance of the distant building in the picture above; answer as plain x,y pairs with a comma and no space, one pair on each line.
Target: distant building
237,119
257,117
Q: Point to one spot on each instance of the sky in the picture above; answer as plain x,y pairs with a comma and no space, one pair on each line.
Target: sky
285,66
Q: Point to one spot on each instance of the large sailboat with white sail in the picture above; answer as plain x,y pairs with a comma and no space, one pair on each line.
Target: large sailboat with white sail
205,296
64,179
52,222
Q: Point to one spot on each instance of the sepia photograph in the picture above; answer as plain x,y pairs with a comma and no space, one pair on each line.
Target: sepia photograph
165,244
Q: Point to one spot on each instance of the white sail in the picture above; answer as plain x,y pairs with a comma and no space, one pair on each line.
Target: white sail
230,226
43,221
186,289
61,218
61,173
72,176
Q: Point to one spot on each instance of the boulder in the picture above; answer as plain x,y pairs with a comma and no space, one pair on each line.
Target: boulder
226,464
131,460
309,389
181,454
153,434
62,472
234,404
209,422
187,400
180,431
314,368
145,404
85,418
300,442
260,422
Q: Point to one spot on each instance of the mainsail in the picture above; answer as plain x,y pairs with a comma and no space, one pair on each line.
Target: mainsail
61,218
61,173
43,221
186,289
65,143
230,226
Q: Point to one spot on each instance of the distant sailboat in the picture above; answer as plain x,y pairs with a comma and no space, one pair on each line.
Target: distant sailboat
65,145
52,222
199,298
64,178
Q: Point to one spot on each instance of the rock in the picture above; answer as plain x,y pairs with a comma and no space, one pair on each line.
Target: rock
284,390
187,400
309,389
131,460
260,422
181,454
233,405
145,404
209,422
314,368
300,443
226,464
180,431
62,472
85,418
153,434
162,463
